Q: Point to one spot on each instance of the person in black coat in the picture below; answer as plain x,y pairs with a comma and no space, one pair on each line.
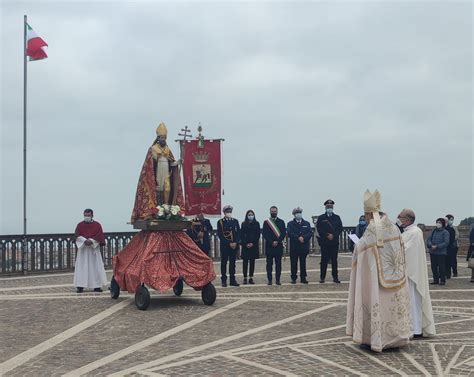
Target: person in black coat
249,239
329,227
359,231
228,230
299,233
274,233
200,233
452,256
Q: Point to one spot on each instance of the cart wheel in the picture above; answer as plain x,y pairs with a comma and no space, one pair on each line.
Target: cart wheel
178,287
142,298
114,289
208,294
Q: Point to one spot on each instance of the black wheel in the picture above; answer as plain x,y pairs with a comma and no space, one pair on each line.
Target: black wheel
114,289
142,298
208,294
178,287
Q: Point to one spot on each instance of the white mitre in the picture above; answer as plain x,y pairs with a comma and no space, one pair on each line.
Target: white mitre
373,204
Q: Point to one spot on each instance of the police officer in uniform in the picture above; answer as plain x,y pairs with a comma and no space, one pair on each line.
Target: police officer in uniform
299,233
200,233
228,230
274,233
329,226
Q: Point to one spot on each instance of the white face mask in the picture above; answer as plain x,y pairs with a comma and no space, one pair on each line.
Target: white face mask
399,222
298,216
88,219
439,225
329,211
228,215
250,217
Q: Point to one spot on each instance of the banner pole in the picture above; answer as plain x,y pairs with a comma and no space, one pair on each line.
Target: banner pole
24,265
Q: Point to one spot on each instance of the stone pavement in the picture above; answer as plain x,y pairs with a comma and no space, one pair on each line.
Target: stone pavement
46,329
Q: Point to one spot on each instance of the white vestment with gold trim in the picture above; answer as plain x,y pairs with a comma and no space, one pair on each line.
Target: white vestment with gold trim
378,309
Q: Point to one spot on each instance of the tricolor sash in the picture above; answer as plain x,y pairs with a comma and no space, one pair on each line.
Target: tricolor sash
273,227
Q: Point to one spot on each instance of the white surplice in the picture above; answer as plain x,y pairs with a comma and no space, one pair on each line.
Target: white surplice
89,270
378,309
417,273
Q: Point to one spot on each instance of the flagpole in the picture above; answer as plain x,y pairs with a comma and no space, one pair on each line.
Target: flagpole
24,266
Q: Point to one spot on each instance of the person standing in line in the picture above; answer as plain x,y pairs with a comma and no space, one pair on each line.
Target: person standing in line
437,244
417,273
89,269
470,252
329,226
228,230
299,233
249,237
200,233
359,231
453,247
274,233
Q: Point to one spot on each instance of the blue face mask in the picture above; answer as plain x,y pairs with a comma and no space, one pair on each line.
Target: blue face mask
363,222
298,216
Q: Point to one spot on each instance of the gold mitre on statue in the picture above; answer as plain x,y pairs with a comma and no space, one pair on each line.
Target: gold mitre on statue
161,130
372,201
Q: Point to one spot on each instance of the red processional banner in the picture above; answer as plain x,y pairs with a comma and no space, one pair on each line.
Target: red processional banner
202,177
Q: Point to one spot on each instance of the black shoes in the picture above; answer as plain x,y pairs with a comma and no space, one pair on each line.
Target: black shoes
245,281
224,284
278,282
336,280
455,274
293,281
269,282
251,281
418,336
442,283
304,281
234,283
434,283
98,290
79,290
321,281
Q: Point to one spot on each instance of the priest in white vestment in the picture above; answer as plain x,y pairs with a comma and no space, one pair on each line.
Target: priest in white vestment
417,273
89,269
378,309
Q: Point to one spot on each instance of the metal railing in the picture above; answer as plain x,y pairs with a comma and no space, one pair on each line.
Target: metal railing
57,252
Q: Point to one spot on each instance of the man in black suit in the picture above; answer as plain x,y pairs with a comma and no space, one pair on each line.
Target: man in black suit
274,233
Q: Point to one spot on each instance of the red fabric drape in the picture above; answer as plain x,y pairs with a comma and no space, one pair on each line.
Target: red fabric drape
159,259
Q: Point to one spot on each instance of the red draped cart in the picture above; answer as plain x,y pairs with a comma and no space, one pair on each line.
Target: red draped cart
162,256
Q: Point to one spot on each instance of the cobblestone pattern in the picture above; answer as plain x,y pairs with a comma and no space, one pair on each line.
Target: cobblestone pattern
258,336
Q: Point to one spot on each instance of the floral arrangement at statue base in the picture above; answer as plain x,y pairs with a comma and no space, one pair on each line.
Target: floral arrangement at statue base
168,212
168,218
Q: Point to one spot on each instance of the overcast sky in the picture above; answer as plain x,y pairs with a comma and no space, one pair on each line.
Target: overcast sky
315,100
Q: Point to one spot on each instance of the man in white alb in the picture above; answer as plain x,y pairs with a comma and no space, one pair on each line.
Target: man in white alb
415,255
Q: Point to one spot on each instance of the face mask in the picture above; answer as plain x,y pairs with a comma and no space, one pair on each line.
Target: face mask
274,215
439,225
88,219
298,216
363,222
329,211
228,215
450,222
250,217
399,222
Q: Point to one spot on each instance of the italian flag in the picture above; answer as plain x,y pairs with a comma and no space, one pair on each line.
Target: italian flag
35,45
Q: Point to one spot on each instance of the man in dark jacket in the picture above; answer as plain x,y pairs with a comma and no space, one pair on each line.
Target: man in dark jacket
274,233
200,232
329,226
228,230
299,233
